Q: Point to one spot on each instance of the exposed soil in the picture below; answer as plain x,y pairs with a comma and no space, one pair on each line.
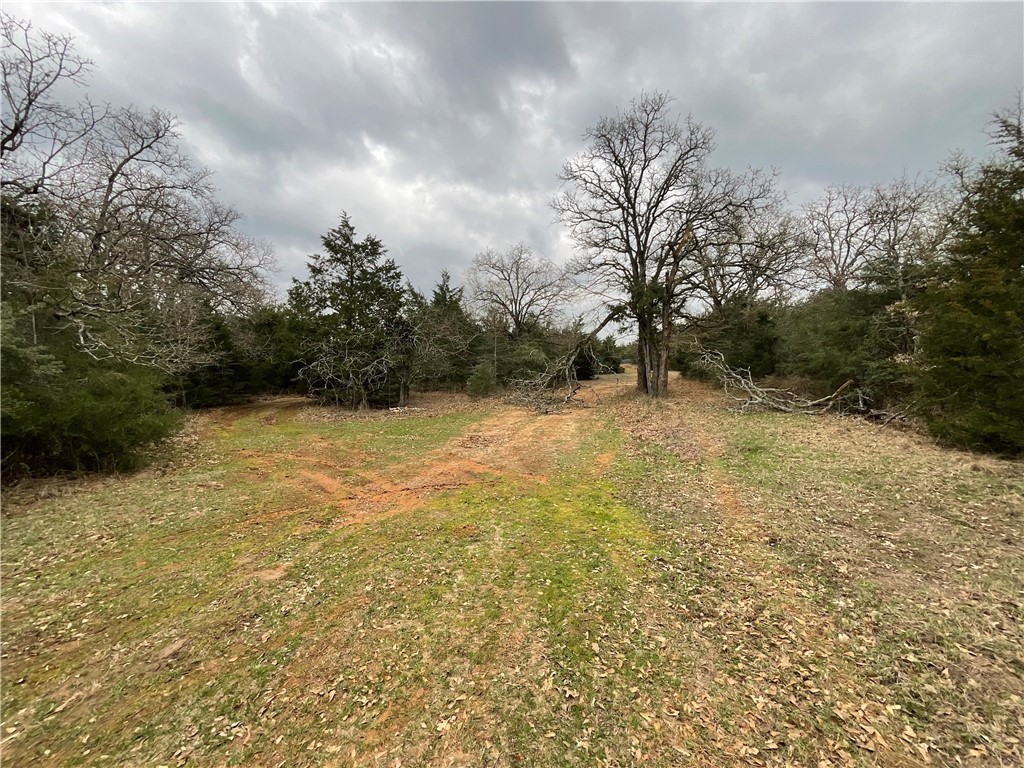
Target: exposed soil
513,443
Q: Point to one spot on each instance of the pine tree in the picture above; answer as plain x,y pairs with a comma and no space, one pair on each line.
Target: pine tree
352,307
971,363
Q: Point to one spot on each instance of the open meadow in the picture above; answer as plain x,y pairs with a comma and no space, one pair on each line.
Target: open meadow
635,582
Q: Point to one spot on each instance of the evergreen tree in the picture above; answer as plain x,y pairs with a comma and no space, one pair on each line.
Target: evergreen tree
839,336
352,304
445,297
60,409
743,331
971,362
256,354
444,335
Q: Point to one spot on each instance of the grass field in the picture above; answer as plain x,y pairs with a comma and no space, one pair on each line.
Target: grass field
631,583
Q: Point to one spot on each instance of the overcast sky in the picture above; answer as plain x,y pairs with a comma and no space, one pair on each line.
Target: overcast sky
440,128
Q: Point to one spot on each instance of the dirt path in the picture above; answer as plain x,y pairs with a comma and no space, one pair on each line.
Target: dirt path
512,443
795,659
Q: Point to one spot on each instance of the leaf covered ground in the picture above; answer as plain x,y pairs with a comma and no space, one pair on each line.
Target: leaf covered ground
632,583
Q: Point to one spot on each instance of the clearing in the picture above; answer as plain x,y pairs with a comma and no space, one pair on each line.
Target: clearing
633,583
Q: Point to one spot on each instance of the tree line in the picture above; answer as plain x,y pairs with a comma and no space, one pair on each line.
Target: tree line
912,290
129,291
117,262
128,288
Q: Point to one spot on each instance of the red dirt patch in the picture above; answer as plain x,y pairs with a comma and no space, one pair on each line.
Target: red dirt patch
513,443
324,482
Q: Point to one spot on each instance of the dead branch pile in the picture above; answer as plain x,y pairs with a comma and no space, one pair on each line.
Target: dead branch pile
549,391
740,386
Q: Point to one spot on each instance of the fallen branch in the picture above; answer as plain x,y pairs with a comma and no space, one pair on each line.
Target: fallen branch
557,386
899,415
753,397
549,391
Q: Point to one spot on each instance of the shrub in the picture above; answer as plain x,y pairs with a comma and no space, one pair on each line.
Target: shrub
838,336
82,415
482,381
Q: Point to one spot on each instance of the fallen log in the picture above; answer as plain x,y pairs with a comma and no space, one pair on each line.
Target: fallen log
550,390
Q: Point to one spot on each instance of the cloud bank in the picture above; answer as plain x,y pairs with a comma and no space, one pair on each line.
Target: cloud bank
440,128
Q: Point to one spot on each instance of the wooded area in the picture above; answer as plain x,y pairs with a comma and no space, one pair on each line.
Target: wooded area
129,290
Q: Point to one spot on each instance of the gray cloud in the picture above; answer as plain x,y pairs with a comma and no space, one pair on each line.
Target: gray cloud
441,127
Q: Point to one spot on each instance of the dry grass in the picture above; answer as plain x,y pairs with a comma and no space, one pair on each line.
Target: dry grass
876,573
468,584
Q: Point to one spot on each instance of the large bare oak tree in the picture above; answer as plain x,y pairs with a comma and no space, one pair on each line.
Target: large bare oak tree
645,209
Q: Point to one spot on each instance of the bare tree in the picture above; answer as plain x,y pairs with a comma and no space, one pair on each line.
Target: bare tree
523,289
878,235
759,261
913,218
644,206
547,391
136,251
143,248
35,123
346,370
841,235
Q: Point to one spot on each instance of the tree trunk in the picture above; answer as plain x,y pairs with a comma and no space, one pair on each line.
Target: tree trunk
666,311
664,351
666,343
654,388
648,368
642,347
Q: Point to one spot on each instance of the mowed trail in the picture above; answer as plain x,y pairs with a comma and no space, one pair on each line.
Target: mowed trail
793,660
782,671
